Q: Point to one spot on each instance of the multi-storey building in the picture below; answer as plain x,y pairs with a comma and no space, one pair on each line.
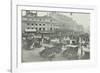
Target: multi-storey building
32,22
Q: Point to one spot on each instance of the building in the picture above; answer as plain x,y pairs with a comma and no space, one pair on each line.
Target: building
34,23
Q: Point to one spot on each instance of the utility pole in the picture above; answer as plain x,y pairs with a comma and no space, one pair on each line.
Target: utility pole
80,48
71,13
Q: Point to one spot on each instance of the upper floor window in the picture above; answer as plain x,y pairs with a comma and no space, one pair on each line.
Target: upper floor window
50,28
28,24
36,24
39,28
43,28
36,28
43,24
28,28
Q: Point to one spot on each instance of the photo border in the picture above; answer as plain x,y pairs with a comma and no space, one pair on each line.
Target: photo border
15,67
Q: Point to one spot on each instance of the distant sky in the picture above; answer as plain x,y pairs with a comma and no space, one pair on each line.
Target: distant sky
81,19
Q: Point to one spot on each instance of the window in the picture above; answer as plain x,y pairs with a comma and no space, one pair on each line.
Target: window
28,28
36,24
50,28
43,28
27,23
32,24
39,28
32,28
36,28
43,24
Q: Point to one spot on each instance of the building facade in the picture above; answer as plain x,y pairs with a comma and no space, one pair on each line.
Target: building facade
33,22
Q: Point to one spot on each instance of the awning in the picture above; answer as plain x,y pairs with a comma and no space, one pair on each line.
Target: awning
30,30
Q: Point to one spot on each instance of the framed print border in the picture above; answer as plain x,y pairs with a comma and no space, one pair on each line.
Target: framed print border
17,65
